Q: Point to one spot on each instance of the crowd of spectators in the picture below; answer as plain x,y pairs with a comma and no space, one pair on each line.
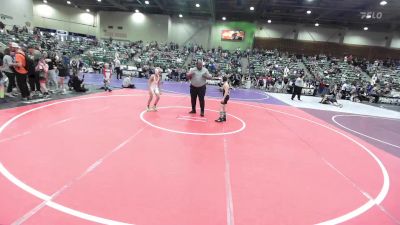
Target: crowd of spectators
353,78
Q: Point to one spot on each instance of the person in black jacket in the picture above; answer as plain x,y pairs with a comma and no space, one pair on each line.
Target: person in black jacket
77,84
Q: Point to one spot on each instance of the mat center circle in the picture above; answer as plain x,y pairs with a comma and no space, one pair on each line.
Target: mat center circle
176,119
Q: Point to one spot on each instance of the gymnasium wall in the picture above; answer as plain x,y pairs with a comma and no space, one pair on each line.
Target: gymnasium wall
275,31
323,34
19,10
396,41
330,48
59,17
184,31
135,26
319,34
360,37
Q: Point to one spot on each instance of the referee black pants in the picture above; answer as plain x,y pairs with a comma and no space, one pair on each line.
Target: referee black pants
119,72
297,91
198,92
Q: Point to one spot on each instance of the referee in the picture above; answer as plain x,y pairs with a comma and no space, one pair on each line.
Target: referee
198,77
298,87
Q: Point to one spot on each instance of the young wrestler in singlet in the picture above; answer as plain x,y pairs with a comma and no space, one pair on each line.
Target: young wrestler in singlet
154,89
226,91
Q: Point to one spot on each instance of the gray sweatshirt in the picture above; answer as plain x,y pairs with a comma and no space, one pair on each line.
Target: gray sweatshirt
199,77
299,82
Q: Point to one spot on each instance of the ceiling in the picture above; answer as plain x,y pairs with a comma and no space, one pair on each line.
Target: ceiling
341,13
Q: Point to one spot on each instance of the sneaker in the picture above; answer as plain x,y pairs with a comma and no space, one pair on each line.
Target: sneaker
219,120
192,112
24,99
155,109
148,109
202,114
10,95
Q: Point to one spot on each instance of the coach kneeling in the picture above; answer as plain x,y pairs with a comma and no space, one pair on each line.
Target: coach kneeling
198,78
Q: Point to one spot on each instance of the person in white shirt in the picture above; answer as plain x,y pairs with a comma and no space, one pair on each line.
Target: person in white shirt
286,72
107,77
117,64
7,63
127,82
298,87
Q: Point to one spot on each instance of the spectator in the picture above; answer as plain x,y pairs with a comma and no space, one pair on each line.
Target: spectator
298,87
42,69
117,67
8,64
21,71
33,79
53,72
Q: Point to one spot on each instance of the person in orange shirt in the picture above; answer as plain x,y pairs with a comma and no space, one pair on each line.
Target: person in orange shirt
21,71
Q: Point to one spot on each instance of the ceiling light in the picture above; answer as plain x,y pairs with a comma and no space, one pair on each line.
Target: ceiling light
45,1
197,5
269,21
180,15
224,18
87,10
137,11
317,24
99,0
308,11
146,2
252,8
68,2
383,3
365,28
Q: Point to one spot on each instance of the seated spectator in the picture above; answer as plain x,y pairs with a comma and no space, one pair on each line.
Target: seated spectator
77,84
330,98
127,82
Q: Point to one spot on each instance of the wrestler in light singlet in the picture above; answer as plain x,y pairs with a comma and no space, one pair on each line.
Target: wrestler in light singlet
154,89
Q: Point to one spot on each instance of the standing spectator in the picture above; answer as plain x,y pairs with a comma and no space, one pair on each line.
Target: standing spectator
53,72
42,69
107,77
118,68
7,65
33,79
21,71
2,84
62,74
298,87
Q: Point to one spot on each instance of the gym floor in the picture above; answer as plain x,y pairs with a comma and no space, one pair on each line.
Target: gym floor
101,159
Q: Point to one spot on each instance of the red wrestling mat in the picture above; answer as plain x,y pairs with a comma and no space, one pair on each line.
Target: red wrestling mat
100,159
